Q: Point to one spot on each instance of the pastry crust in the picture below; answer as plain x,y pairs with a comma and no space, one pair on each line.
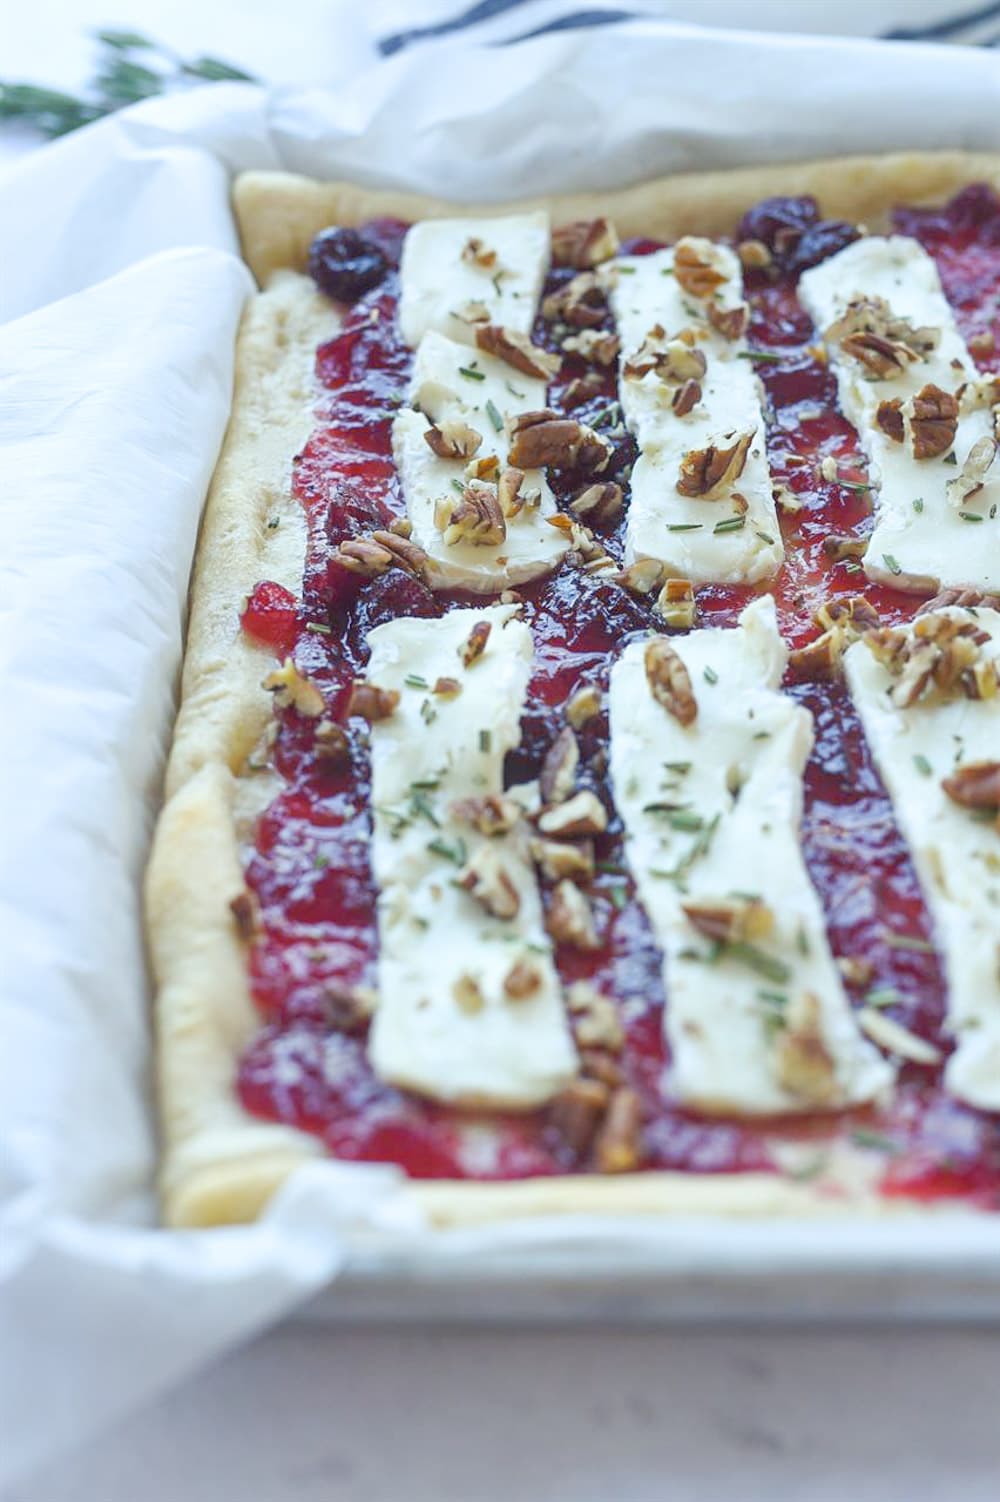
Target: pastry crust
219,1163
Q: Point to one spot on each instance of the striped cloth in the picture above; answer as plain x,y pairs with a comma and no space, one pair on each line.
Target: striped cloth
400,24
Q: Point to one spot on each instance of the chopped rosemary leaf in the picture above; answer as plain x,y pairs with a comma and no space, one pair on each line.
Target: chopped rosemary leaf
485,740
495,279
427,712
864,1137
918,503
320,861
667,271
891,563
470,374
767,965
421,804
763,536
414,680
710,675
684,819
882,996
618,897
678,766
766,357
773,998
951,458
494,416
970,516
318,628
922,764
625,270
684,526
451,852
730,524
458,486
909,941
801,940
514,391
610,868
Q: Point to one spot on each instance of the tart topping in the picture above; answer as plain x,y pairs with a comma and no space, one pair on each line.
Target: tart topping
971,478
569,919
803,1063
371,702
889,417
583,814
600,503
933,422
487,879
473,517
381,551
293,690
475,252
577,1112
453,439
617,1147
675,360
331,744
593,346
584,243
584,704
731,323
558,775
730,920
583,302
975,785
596,1022
544,437
882,343
557,859
669,682
492,814
474,645
676,604
686,398
345,265
517,351
939,657
698,266
710,471
523,979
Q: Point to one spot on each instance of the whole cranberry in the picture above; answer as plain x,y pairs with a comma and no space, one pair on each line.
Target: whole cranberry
778,222
819,242
343,264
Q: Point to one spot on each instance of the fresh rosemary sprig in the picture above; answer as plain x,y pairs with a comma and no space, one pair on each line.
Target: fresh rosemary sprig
129,67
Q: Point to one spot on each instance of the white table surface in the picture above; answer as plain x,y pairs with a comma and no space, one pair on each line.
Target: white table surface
322,1415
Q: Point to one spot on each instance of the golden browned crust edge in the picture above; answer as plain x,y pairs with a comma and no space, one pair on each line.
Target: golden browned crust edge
220,1165
278,213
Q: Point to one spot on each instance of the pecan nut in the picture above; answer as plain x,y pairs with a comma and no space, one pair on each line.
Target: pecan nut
708,472
617,1146
975,785
698,266
583,814
669,681
487,879
803,1063
473,517
293,690
569,918
558,775
594,346
544,438
889,417
475,643
582,303
600,503
452,439
731,323
371,702
517,351
584,243
933,422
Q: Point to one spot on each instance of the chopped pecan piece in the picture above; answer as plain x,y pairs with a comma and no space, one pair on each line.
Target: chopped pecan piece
675,360
820,658
697,266
803,1063
982,343
293,690
583,302
975,785
487,879
473,517
967,598
584,243
371,702
246,914
473,311
669,681
543,437
509,483
452,439
731,323
642,576
617,1146
582,814
838,548
517,350
596,1022
933,422
331,743
882,343
475,252
855,970
939,657
601,503
972,476
581,389
708,472
491,813
467,994
576,1113
569,919
381,551
594,346
475,643
754,255
401,527
889,417
895,1038
522,980
584,704
558,774
880,357
852,613
676,603
557,859
446,688
730,920
486,468
348,1008
686,398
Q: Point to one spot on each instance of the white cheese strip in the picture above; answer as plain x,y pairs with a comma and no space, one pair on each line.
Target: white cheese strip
931,544
957,857
647,294
441,391
738,768
434,938
436,281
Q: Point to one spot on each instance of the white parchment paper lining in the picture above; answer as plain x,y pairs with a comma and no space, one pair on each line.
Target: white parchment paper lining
121,291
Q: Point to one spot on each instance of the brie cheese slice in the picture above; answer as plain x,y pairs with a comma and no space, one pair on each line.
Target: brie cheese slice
921,539
451,383
956,854
734,537
448,264
470,1009
712,812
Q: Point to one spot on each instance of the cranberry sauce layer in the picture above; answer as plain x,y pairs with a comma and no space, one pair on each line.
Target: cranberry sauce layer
309,865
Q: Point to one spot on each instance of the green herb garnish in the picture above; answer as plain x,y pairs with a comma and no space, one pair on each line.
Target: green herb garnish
494,416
